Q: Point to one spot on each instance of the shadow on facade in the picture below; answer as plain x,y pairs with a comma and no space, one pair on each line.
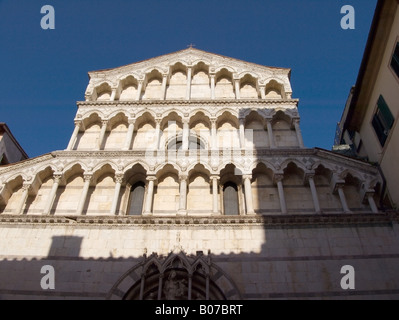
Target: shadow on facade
299,258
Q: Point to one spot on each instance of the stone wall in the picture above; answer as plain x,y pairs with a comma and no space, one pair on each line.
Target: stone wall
262,261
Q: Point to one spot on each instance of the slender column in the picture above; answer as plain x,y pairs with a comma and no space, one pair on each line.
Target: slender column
214,134
372,204
102,133
213,76
207,288
160,285
279,179
262,92
53,192
113,94
215,194
129,135
150,196
183,196
142,287
74,135
139,89
118,184
164,82
186,133
188,90
242,133
314,194
298,133
24,197
237,86
157,133
270,134
248,195
343,198
190,284
83,196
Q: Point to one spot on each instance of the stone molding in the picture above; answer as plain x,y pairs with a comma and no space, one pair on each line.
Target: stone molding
267,221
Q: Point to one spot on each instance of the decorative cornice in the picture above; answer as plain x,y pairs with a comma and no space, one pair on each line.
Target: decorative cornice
315,220
194,103
26,163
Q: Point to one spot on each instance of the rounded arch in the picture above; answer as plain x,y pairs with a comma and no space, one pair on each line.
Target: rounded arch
324,164
92,117
172,116
222,285
253,115
145,116
278,84
153,70
203,168
132,164
226,68
104,163
202,61
73,164
296,162
105,170
103,91
45,167
266,163
281,115
227,115
200,115
177,65
237,166
159,170
15,176
344,174
254,75
111,116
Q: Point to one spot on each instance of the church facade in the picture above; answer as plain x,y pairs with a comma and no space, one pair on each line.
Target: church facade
186,177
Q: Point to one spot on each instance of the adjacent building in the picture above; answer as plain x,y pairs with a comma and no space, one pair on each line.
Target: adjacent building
10,149
369,124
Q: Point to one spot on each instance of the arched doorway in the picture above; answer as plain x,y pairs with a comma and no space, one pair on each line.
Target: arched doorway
177,277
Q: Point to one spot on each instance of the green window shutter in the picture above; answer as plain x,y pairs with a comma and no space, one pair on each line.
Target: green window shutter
395,60
386,114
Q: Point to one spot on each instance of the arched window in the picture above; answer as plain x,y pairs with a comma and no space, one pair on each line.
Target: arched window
230,199
136,199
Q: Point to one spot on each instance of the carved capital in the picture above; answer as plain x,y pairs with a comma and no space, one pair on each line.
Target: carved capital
119,178
151,178
57,177
87,177
26,186
247,176
278,177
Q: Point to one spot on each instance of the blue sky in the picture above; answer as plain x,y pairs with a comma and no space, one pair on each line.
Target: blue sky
44,72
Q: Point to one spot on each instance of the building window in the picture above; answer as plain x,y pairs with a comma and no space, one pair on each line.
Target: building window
395,60
136,199
230,199
383,121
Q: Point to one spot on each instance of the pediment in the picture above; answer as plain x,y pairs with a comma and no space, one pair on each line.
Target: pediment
193,58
